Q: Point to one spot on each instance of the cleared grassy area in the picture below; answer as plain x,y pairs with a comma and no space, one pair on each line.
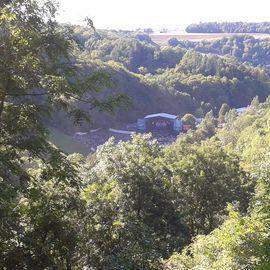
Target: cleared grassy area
66,143
162,39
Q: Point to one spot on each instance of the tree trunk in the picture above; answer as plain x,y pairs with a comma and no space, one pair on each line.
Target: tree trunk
2,100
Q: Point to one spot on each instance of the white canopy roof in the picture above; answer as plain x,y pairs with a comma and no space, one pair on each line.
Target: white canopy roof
240,110
163,115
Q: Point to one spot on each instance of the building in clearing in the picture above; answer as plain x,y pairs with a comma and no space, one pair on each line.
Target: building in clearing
160,122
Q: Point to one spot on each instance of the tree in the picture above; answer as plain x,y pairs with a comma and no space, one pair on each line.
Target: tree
207,127
148,30
241,242
255,103
205,178
189,119
143,70
173,42
131,219
37,77
42,230
222,112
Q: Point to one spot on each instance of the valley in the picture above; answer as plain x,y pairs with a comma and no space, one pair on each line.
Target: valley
130,150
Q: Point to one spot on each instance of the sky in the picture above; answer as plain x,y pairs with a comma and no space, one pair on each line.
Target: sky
159,14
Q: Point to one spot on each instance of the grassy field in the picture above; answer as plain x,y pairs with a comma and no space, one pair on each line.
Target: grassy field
162,39
66,143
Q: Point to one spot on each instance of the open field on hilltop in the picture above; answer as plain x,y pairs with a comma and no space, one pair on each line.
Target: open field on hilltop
162,38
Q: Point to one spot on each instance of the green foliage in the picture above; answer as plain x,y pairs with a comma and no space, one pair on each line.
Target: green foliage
229,27
132,204
248,133
189,119
205,178
132,217
222,112
238,244
244,48
205,130
40,231
242,242
143,202
41,186
185,81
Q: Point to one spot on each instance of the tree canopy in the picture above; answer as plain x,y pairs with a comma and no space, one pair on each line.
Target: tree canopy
136,204
229,27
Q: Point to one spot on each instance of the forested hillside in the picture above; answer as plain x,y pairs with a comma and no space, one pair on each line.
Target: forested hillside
243,240
244,48
201,202
174,79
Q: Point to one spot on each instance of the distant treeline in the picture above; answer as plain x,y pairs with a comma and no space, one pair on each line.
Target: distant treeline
229,27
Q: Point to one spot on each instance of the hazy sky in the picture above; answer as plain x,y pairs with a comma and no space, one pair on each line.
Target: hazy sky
132,14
